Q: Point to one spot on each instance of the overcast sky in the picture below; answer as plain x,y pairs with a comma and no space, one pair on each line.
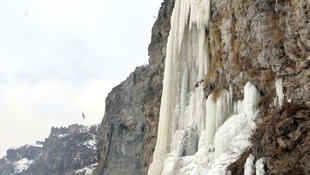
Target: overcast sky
59,58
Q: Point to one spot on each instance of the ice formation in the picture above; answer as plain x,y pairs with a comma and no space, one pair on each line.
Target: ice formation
249,165
260,170
279,91
182,105
198,135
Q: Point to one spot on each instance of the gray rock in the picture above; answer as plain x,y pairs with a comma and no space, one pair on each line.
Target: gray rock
129,128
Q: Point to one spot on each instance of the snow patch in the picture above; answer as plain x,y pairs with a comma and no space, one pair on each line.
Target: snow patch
88,170
91,144
22,165
61,135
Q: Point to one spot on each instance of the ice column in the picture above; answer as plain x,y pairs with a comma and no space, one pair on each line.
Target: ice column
217,111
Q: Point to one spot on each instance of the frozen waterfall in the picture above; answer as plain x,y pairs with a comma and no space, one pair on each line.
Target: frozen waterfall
197,135
182,111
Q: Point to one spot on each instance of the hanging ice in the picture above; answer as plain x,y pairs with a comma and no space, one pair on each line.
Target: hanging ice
194,134
279,91
249,165
182,111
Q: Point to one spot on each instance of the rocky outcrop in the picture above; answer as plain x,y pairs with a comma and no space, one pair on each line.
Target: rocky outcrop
19,159
68,150
263,41
129,128
121,140
283,139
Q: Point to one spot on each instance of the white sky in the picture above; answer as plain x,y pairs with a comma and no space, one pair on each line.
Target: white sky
61,57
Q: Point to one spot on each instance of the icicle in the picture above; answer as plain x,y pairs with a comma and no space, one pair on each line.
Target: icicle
222,108
183,103
279,91
210,120
251,98
260,170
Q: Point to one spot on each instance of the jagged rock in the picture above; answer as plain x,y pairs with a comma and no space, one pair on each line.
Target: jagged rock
123,127
68,150
19,159
284,138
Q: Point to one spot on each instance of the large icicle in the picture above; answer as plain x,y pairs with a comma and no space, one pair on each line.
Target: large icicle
182,112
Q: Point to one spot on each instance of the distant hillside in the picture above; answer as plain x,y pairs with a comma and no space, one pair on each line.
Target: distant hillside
68,150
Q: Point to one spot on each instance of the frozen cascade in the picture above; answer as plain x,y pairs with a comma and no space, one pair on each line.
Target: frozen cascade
182,112
217,147
195,134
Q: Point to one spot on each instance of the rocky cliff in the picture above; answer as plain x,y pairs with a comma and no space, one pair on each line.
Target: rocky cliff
123,127
68,150
264,41
255,52
129,128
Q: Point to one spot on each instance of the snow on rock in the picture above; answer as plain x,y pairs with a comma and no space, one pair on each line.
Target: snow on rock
91,143
86,129
22,165
61,135
86,170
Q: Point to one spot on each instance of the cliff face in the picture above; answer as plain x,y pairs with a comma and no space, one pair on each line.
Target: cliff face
129,128
261,41
123,127
264,41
